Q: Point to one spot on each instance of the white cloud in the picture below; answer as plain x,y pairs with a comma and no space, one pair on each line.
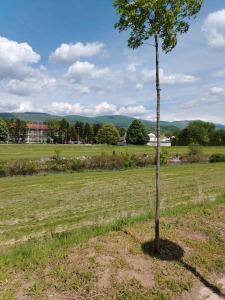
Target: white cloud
32,85
69,53
214,29
17,106
132,110
139,86
171,79
64,108
15,59
25,106
132,67
103,108
218,91
85,70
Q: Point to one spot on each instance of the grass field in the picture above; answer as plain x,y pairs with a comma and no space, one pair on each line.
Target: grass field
39,151
58,239
104,264
36,206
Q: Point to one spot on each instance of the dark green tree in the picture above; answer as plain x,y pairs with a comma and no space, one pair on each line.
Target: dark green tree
96,128
197,132
137,133
64,131
122,131
73,133
157,19
108,134
88,133
53,130
3,131
19,129
217,138
200,132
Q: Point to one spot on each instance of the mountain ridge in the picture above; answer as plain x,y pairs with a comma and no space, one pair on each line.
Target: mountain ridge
117,120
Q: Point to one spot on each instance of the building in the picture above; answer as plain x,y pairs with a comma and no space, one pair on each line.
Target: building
164,141
36,133
122,141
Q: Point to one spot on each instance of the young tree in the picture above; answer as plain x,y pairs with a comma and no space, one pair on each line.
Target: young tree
157,19
137,133
3,131
108,134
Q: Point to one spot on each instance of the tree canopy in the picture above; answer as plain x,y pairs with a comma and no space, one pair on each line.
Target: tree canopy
3,131
108,134
137,133
147,18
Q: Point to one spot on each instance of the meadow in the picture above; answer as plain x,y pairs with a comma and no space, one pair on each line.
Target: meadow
34,151
57,230
41,205
83,235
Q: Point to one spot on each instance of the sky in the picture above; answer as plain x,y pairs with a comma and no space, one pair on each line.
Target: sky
65,57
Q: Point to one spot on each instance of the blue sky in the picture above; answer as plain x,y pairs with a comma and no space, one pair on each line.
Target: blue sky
65,57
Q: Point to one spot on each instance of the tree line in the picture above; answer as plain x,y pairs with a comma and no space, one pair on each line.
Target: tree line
199,132
64,132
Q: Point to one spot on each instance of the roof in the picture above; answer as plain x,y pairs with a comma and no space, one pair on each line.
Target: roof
37,126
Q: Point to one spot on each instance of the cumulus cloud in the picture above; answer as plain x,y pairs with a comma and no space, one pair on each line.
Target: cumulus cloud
85,70
15,59
214,29
171,79
69,53
103,108
30,86
17,106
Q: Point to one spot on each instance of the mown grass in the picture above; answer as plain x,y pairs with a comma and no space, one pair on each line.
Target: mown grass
54,268
24,151
37,206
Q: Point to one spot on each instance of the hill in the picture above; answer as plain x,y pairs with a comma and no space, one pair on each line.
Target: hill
117,120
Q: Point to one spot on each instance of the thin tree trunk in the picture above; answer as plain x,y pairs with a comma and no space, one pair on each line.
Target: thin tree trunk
157,212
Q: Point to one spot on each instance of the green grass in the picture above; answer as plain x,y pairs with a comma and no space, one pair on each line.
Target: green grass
64,269
43,205
39,151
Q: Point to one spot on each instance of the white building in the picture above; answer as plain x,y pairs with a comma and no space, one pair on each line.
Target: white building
164,141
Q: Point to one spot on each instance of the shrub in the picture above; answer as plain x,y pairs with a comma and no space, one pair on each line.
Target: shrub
78,165
163,157
217,157
58,165
106,161
194,149
2,172
57,153
195,154
19,167
143,160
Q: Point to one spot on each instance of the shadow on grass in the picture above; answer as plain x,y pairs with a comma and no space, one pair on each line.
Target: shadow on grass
170,251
